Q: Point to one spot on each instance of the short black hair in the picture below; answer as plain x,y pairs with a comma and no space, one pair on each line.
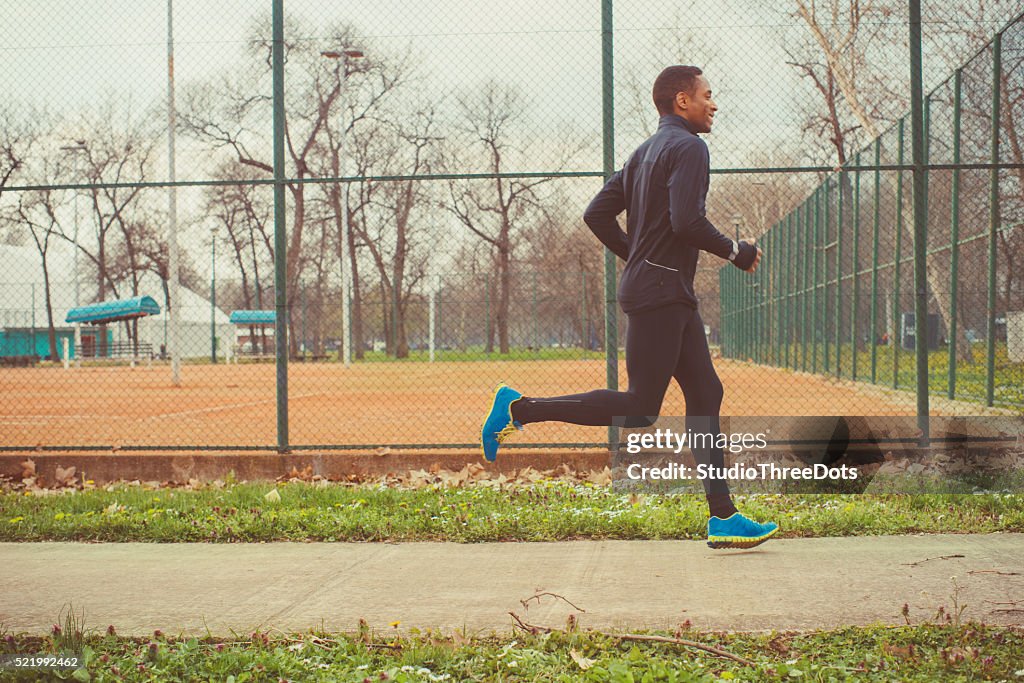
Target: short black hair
672,80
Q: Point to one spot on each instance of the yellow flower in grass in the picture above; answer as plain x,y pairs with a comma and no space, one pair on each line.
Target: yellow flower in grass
15,520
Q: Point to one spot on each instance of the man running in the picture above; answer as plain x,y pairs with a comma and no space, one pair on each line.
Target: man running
662,188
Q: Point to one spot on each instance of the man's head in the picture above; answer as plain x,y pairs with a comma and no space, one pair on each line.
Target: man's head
684,91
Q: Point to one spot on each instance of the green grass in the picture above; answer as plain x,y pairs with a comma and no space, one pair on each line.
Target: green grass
543,512
971,378
926,652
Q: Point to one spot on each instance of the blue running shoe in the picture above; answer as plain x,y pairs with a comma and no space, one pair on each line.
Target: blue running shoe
499,423
736,531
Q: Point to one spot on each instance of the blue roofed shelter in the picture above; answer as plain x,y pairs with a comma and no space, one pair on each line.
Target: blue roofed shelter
113,311
253,343
105,312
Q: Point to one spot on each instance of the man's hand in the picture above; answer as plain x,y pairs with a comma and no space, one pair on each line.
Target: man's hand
757,259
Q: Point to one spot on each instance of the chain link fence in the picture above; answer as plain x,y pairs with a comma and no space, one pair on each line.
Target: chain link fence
436,161
836,295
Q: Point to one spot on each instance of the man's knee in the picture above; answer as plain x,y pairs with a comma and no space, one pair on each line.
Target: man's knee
706,399
644,412
640,421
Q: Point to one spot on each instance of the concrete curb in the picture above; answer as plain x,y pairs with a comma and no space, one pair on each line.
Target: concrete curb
103,468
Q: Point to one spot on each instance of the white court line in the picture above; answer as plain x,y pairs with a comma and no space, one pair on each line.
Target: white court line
230,406
35,419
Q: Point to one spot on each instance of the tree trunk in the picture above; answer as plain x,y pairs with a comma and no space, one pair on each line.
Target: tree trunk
51,332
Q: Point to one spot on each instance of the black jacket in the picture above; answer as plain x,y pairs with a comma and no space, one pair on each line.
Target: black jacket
662,188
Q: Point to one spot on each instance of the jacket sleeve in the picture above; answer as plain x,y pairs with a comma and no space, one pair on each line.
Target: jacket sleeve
601,216
687,190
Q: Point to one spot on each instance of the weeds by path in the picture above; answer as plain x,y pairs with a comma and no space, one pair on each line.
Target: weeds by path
927,652
543,511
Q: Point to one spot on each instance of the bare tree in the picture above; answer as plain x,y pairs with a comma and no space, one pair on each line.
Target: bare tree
17,140
393,240
118,149
247,218
37,211
852,37
490,121
233,117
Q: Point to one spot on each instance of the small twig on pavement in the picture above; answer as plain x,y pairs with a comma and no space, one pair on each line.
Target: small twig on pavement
679,641
1011,602
536,596
993,571
927,559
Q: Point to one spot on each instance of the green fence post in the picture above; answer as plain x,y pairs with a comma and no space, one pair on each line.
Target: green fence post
778,267
790,274
816,250
536,330
280,229
897,303
584,327
611,330
855,270
802,213
839,275
954,241
723,314
874,263
994,218
826,245
917,133
769,298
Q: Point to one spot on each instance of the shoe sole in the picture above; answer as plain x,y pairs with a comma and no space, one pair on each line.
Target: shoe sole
720,542
494,400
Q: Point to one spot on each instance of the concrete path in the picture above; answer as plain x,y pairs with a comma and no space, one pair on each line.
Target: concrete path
784,584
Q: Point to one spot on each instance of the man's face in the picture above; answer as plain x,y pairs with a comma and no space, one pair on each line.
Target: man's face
697,107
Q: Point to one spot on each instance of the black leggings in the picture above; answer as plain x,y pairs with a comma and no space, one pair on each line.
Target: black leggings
661,344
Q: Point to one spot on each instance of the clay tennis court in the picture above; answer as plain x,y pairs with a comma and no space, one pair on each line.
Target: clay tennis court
368,403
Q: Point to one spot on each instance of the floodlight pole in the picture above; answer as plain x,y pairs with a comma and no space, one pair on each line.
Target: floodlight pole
346,270
79,146
213,295
172,211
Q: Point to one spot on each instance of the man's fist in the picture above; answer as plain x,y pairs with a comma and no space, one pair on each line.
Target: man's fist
757,258
748,257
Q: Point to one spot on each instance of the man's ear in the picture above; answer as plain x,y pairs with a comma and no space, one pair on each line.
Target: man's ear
682,99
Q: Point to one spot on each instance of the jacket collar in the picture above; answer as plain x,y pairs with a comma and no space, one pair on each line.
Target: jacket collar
674,120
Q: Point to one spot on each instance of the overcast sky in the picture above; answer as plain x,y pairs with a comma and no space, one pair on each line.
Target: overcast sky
66,56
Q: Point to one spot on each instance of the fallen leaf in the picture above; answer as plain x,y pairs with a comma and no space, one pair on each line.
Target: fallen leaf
583,662
28,468
272,496
65,476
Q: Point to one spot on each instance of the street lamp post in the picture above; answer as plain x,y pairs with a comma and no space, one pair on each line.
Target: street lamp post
79,146
346,270
213,295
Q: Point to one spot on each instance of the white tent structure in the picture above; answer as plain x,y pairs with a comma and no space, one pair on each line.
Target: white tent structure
195,318
23,304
